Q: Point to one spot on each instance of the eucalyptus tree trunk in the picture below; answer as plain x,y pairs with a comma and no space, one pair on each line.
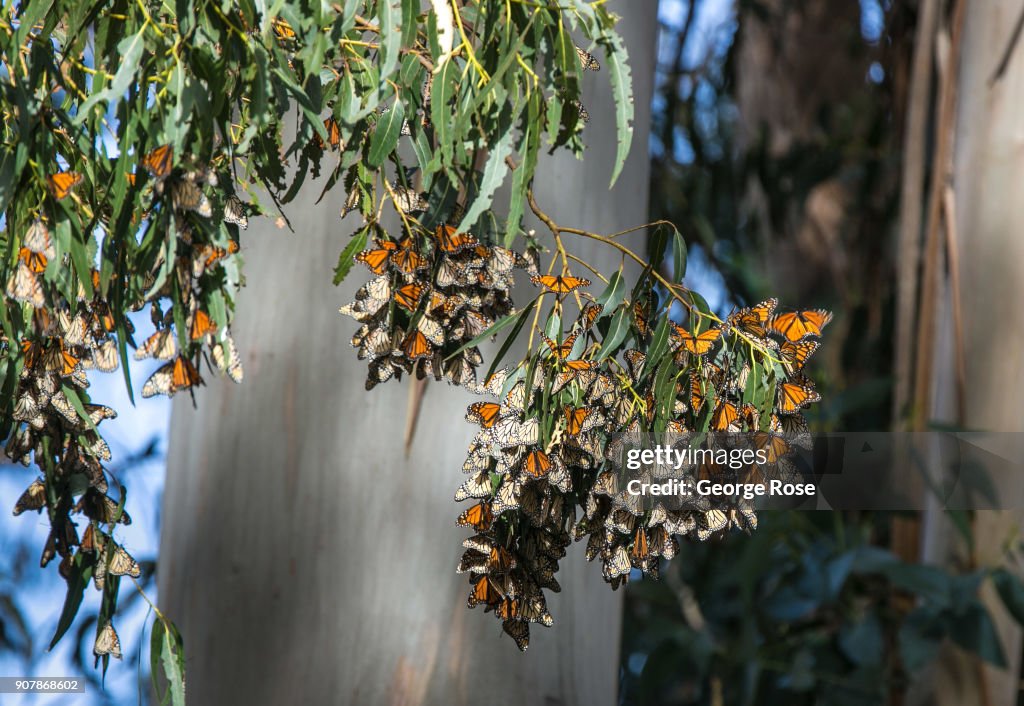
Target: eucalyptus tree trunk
987,254
304,557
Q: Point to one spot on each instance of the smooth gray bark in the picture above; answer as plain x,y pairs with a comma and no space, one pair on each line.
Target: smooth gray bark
304,558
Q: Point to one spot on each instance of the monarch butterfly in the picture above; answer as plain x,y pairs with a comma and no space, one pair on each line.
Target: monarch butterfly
561,350
36,262
448,305
433,330
37,240
121,563
754,320
581,371
24,286
89,543
794,395
589,315
234,212
587,60
559,284
725,417
187,196
202,326
483,413
104,356
376,259
616,564
510,432
795,355
479,486
379,371
484,591
407,199
500,261
408,296
518,630
162,345
710,522
450,273
34,498
208,255
416,346
372,344
107,642
62,183
225,356
795,427
635,361
333,130
641,550
58,359
160,161
499,560
798,324
582,112
282,30
537,463
451,241
772,442
698,344
479,517
406,259
581,419
475,323
641,318
171,378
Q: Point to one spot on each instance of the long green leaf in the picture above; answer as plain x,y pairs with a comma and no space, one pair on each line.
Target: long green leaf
492,330
347,257
520,321
622,91
494,174
386,134
129,51
618,329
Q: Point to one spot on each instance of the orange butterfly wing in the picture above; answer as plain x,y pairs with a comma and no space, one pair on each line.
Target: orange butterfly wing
160,161
451,241
485,413
725,416
36,262
202,325
798,324
538,464
416,346
795,355
559,284
479,517
185,374
699,344
408,296
62,183
377,259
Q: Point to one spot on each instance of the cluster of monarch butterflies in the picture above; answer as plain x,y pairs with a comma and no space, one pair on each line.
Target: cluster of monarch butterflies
432,294
551,445
53,422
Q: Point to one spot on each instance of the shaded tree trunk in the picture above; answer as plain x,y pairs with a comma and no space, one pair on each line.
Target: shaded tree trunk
986,251
303,556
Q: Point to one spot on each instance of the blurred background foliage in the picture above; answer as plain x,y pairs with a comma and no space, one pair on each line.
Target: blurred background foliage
776,149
